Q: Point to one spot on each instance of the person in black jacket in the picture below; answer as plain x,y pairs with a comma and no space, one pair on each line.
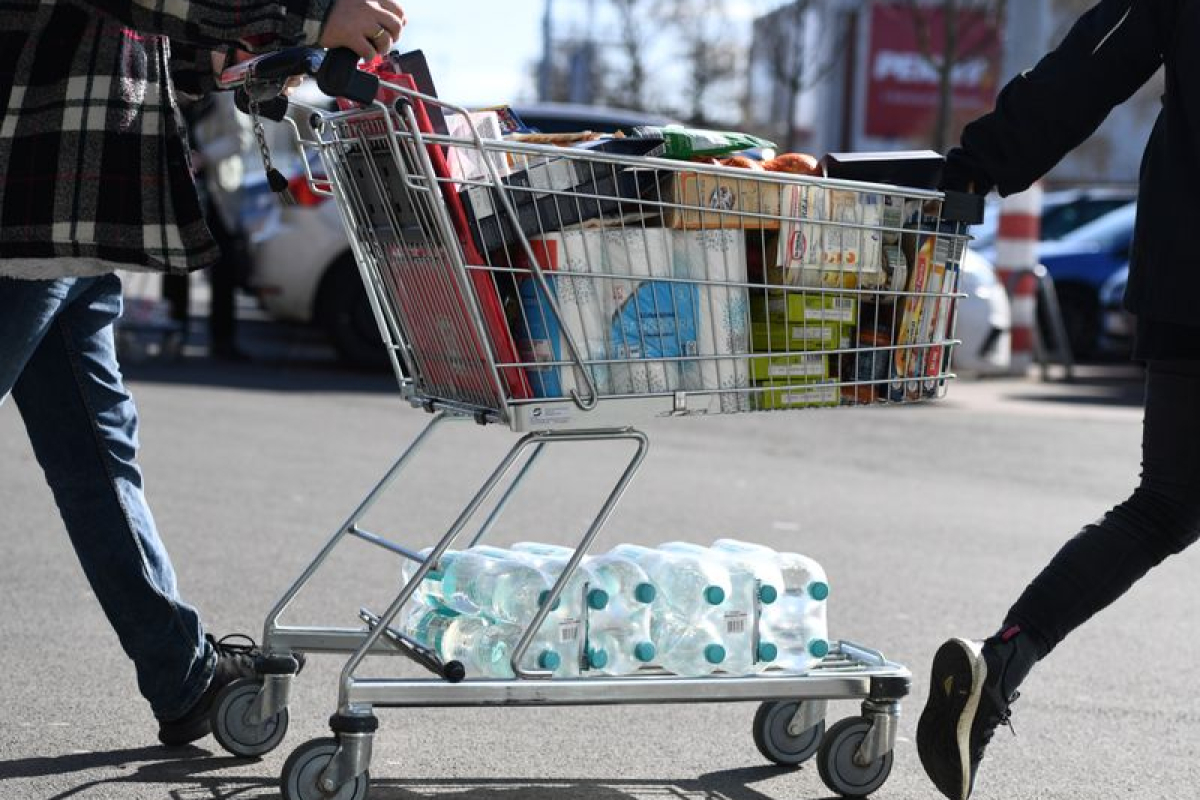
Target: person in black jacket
1041,115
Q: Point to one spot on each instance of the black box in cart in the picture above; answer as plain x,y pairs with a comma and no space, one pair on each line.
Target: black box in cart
560,192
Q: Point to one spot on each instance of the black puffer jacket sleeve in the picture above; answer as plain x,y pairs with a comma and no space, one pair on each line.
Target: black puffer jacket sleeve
1045,112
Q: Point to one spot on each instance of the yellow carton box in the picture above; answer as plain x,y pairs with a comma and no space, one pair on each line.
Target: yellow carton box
811,395
785,306
773,337
799,367
700,200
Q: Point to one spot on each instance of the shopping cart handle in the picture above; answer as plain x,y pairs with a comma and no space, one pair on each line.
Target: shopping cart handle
272,69
339,77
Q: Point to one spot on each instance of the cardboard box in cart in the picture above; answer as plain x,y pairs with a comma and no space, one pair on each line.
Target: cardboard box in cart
702,200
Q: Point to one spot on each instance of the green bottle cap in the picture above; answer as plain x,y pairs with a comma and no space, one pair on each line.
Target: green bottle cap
767,651
549,660
715,595
768,594
818,590
818,648
597,658
714,654
645,651
597,599
645,593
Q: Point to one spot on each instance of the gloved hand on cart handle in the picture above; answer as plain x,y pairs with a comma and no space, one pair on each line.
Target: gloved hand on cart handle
368,27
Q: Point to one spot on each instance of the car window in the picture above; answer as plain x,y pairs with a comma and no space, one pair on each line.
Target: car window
1108,232
1058,221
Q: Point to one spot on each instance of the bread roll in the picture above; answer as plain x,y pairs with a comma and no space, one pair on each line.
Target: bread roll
795,163
742,161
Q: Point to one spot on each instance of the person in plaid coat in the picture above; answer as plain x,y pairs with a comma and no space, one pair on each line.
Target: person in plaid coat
94,176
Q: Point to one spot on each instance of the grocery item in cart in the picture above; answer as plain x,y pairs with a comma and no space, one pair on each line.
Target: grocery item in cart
746,650
622,629
924,320
831,238
559,193
717,261
476,584
685,143
688,647
796,621
703,200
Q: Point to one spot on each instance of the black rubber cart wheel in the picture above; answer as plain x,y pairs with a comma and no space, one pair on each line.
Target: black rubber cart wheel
303,769
776,743
234,732
836,763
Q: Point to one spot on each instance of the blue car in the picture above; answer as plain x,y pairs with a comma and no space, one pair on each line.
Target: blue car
1081,263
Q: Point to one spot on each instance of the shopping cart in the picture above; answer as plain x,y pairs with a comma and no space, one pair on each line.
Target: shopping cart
568,293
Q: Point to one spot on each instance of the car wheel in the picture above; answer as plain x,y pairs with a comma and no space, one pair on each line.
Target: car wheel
345,313
1081,317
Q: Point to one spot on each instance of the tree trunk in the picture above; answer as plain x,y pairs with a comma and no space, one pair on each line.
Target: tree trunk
941,133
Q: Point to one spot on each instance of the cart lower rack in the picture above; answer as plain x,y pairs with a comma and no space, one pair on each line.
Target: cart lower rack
566,293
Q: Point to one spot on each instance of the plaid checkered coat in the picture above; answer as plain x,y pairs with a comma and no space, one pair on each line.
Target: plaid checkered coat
93,163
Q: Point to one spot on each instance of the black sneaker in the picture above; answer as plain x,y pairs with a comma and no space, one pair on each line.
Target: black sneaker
235,659
964,708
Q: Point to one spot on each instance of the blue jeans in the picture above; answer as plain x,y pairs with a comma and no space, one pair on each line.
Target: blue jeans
58,359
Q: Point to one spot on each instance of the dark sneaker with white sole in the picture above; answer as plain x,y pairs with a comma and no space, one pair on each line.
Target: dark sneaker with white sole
964,708
236,654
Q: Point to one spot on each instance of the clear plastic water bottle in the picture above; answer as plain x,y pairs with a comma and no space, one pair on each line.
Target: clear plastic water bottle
688,647
504,590
484,648
614,651
796,623
748,650
686,585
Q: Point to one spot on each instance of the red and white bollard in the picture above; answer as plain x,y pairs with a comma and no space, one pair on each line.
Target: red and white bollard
1016,256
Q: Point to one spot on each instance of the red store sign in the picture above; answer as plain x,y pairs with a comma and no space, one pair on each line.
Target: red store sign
902,85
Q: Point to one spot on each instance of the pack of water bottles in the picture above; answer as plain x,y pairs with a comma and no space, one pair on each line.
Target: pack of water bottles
733,608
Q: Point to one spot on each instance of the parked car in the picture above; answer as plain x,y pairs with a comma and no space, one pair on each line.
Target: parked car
1117,326
1062,212
984,320
1080,263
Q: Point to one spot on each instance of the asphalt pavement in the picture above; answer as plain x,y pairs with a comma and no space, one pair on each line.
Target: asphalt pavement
928,519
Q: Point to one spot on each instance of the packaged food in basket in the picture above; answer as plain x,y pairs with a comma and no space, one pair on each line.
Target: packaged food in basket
683,143
791,368
831,238
467,162
561,192
864,371
704,200
783,337
924,319
778,395
786,306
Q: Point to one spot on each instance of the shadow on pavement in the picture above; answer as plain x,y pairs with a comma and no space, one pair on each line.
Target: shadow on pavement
281,358
1121,384
193,774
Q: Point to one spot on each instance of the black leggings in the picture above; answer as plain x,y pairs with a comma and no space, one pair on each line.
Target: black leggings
1160,519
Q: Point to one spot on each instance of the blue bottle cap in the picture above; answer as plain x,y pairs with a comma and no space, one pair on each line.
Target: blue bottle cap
768,594
715,595
819,648
544,596
645,652
597,658
549,660
645,593
597,599
714,654
767,651
818,590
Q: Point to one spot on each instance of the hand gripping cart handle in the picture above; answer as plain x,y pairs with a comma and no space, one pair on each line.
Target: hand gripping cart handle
564,293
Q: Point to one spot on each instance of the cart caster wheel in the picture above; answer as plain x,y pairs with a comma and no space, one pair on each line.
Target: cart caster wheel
233,732
303,769
773,740
836,764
